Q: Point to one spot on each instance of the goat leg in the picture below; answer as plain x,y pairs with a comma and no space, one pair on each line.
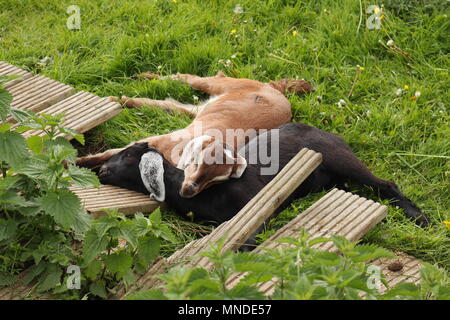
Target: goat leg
350,168
167,104
96,160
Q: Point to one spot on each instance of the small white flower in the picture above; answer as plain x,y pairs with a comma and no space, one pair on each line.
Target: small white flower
195,98
238,9
233,56
390,43
341,103
319,99
45,61
417,94
399,92
159,67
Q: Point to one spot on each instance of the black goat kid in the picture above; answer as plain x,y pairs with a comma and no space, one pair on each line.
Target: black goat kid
222,201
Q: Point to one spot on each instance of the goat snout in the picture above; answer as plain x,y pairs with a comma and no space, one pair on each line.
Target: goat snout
188,190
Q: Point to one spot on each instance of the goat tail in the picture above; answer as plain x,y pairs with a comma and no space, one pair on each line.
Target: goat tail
292,86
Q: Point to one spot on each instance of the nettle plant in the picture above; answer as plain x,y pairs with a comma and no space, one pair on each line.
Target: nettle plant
303,273
42,222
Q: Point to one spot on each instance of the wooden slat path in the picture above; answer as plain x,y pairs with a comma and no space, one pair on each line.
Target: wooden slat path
82,112
111,197
337,213
40,94
237,230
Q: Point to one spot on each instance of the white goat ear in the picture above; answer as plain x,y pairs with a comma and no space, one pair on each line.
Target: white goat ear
152,175
239,166
191,151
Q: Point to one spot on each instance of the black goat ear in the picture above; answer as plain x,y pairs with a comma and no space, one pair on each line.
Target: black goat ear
152,174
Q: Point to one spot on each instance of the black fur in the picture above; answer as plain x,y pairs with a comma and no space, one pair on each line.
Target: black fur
222,201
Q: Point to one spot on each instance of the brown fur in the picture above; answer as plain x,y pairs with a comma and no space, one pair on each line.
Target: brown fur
243,104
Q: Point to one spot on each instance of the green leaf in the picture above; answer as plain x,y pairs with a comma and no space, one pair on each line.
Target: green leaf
155,217
93,269
5,127
60,149
38,167
83,177
8,229
35,144
93,245
98,288
50,278
366,252
64,206
148,249
21,115
10,198
119,262
147,295
318,240
13,148
73,134
5,103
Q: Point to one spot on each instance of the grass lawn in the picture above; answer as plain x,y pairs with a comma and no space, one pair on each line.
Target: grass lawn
400,135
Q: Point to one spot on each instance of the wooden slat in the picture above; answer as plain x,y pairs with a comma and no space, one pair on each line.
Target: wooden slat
82,111
7,69
111,197
38,92
238,229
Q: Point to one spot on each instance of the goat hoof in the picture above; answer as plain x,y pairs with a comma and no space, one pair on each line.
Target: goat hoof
113,99
422,221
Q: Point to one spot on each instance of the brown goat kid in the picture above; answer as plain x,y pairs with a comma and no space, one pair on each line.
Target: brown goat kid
220,126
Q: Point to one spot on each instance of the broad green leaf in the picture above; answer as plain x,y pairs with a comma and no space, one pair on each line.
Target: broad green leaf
50,278
98,288
83,177
119,262
147,295
93,269
155,217
8,229
38,167
35,144
13,148
11,199
148,249
93,245
245,292
366,252
5,127
103,224
73,134
5,103
64,206
21,115
59,151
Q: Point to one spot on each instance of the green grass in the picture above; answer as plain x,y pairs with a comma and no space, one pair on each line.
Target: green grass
400,139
